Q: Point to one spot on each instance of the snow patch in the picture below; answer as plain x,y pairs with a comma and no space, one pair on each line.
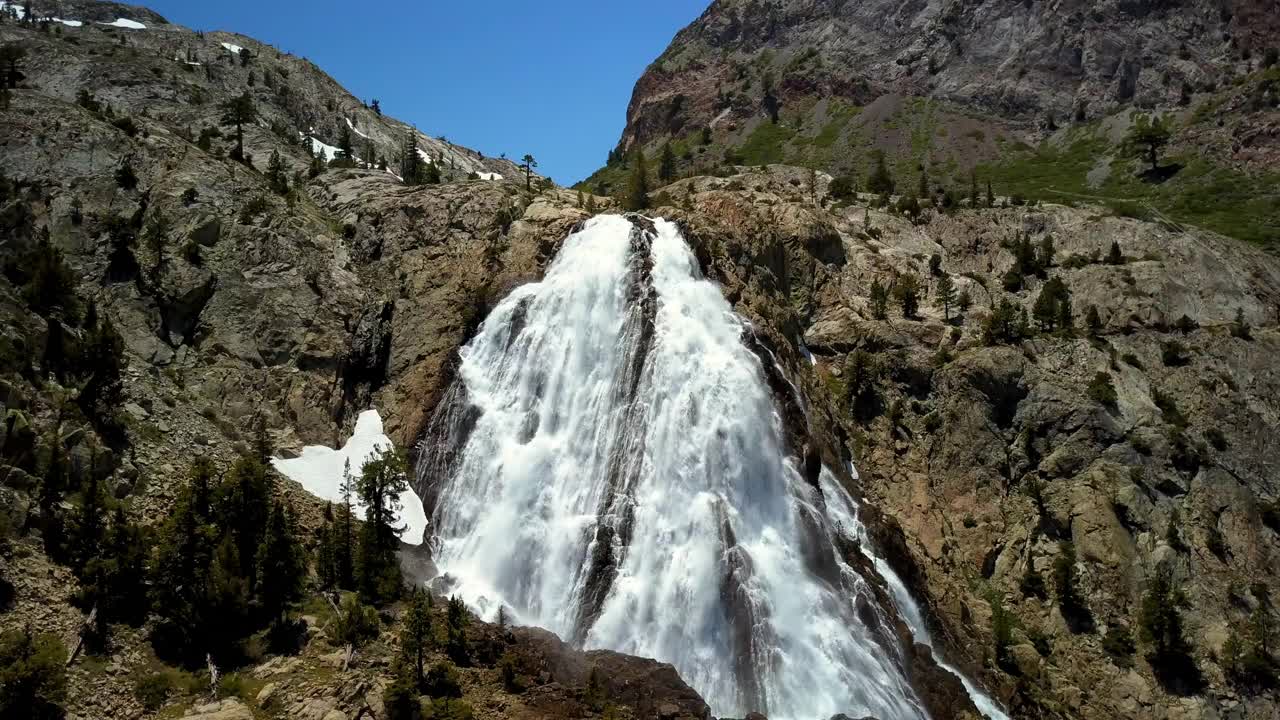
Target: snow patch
319,147
425,157
319,470
355,130
489,176
234,49
126,24
20,12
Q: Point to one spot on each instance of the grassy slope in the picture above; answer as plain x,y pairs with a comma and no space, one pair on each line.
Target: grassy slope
913,132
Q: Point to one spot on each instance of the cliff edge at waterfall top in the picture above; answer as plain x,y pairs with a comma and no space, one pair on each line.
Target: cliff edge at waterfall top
901,362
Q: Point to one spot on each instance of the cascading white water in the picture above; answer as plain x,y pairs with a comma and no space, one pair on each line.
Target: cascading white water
624,482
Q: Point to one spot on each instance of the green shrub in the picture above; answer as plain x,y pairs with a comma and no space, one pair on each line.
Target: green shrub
1174,354
1102,391
442,681
356,623
1117,643
33,675
152,689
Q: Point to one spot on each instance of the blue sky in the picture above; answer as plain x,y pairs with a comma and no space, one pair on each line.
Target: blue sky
515,76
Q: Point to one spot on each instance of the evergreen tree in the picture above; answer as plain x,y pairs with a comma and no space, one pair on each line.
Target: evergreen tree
180,571
33,676
239,111
344,529
1093,322
1045,259
277,174
101,393
637,193
346,151
126,178
377,107
243,503
89,516
1146,137
52,283
991,198
879,300
907,293
1052,308
879,181
973,189
667,166
382,479
411,162
1160,628
326,552
924,191
400,698
455,632
1066,587
1114,256
945,293
280,565
528,163
415,639
114,579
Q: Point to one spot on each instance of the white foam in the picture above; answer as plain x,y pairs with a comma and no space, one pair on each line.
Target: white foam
319,470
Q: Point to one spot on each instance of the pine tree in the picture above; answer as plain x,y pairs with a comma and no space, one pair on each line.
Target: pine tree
907,293
344,544
879,300
280,566
973,189
415,639
1114,255
667,166
1052,308
1045,259
945,293
964,301
346,151
924,192
180,571
528,163
100,395
879,181
991,198
382,479
455,632
239,111
88,528
277,174
114,580
243,503
33,676
1146,137
1093,322
411,163
326,551
377,107
1066,586
637,193
1160,627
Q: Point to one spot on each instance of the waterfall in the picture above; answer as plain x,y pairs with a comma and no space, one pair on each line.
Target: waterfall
610,465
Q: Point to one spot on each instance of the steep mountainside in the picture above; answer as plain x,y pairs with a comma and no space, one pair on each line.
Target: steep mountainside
1067,456
1034,96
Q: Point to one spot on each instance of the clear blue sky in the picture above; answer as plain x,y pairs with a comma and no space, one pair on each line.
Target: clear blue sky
552,78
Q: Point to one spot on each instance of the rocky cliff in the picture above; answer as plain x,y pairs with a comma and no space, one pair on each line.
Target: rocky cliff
992,452
1034,97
